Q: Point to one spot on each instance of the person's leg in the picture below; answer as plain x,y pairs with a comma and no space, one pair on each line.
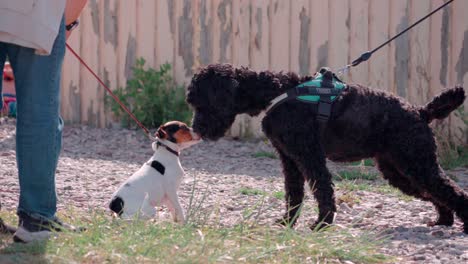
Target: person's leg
39,127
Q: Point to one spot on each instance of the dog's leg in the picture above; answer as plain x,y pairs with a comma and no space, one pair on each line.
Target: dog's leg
397,180
294,190
419,164
322,188
445,191
174,206
312,163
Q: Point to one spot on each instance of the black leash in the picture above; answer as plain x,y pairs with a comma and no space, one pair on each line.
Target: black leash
366,55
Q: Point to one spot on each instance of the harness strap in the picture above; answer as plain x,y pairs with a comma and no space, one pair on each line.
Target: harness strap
322,90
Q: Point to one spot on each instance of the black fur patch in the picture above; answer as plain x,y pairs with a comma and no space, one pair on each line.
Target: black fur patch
158,166
117,205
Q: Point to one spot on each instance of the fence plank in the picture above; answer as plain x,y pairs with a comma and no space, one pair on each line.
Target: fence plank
184,55
126,39
459,66
358,40
222,31
240,55
300,38
419,54
145,31
204,43
439,47
108,26
90,53
165,33
260,35
319,35
379,68
399,49
71,88
338,20
279,20
241,32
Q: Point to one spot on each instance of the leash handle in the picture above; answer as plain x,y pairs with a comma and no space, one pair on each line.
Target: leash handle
147,132
366,55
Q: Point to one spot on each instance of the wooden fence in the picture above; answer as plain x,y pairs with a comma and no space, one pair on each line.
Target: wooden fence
295,35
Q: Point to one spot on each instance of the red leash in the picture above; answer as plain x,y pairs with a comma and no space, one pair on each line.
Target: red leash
147,132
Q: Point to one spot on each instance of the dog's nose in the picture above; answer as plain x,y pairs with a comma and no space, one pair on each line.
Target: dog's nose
196,136
116,205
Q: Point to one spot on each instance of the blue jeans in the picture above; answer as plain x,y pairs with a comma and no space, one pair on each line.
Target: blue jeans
39,126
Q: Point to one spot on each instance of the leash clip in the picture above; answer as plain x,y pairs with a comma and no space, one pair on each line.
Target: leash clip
343,70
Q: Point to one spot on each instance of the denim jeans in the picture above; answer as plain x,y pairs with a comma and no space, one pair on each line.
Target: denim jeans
39,126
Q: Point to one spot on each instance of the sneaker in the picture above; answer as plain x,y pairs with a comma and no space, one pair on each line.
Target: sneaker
32,229
6,229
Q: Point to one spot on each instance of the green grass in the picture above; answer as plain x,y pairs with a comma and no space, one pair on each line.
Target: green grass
264,154
115,241
251,191
370,186
366,162
279,195
355,175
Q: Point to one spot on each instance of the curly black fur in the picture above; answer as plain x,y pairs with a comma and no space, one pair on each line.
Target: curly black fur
364,123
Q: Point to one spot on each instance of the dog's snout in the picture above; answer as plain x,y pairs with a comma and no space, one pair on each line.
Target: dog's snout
116,205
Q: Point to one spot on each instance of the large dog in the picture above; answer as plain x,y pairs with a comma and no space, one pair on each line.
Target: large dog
364,123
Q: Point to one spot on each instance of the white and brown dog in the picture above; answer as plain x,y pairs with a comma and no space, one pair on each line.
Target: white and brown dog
158,180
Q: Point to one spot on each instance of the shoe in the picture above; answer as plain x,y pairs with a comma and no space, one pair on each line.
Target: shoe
32,229
6,229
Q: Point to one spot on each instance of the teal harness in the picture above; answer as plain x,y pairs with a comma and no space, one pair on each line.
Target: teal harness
321,91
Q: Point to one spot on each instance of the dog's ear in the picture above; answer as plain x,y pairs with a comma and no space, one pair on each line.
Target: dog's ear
160,133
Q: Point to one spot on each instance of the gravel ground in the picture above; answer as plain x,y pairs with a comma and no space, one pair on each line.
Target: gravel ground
95,161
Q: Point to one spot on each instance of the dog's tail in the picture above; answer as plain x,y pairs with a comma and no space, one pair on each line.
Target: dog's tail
443,104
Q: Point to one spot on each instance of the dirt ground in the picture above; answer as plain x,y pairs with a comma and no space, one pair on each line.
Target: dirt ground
220,174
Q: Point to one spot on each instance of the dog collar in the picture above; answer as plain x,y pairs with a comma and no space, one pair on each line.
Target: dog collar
321,90
173,149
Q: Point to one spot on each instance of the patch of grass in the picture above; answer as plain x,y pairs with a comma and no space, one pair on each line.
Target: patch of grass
251,191
348,198
152,96
365,162
355,175
352,186
454,157
109,240
264,154
279,195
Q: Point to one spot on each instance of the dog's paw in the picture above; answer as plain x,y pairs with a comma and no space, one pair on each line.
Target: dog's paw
445,221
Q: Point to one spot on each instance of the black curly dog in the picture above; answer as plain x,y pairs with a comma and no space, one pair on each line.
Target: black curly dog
364,123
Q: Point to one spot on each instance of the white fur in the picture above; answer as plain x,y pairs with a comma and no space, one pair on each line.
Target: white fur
147,188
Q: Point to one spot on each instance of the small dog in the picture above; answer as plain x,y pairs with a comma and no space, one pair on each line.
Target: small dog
158,180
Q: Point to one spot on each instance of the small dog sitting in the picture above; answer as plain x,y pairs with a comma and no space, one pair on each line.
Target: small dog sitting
158,180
